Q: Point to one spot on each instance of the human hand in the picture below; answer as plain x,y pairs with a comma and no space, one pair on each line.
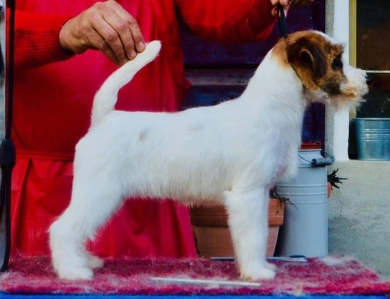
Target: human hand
107,27
288,4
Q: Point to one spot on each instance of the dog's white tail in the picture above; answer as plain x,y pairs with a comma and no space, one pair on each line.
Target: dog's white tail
106,97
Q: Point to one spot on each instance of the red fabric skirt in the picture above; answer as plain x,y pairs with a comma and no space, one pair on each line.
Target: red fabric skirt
40,193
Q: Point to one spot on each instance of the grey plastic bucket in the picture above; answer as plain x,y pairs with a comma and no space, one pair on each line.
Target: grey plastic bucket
372,138
305,228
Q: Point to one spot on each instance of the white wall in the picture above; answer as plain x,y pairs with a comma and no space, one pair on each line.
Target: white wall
337,122
358,211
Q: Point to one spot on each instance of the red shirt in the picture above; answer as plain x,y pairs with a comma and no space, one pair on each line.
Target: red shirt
52,103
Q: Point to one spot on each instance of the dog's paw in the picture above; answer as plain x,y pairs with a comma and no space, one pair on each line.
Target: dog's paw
76,274
95,262
259,274
271,266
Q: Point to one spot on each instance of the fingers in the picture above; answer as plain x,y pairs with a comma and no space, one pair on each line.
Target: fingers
113,35
127,30
292,3
98,42
287,4
275,10
132,24
282,2
107,27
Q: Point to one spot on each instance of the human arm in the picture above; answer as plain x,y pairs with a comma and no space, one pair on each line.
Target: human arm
44,38
107,27
36,39
227,20
232,20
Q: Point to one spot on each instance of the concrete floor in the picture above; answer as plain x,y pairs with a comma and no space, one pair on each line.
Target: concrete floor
359,213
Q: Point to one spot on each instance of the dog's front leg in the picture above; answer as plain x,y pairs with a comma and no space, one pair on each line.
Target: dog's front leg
248,222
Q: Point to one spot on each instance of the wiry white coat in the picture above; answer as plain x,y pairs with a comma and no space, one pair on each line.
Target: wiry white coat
231,153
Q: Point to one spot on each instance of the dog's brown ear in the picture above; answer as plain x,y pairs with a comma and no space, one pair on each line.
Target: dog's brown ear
305,54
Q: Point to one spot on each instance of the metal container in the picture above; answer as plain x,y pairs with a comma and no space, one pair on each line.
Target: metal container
372,138
305,229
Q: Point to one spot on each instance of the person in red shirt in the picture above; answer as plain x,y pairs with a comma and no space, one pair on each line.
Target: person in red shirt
54,89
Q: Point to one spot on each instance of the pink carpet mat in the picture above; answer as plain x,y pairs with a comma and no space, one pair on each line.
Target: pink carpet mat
341,275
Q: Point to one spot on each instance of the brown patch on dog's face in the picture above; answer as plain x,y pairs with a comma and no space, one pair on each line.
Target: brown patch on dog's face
317,62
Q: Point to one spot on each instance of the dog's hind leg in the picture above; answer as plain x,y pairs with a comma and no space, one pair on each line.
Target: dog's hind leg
248,222
93,202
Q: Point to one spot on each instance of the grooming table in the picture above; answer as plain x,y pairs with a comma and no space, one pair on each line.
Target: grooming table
133,278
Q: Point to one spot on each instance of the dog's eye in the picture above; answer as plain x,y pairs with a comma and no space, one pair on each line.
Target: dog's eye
337,63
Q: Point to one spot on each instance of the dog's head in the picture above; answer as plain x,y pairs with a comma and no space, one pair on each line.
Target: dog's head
318,62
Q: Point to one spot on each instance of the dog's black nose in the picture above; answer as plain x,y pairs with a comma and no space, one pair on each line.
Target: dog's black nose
368,80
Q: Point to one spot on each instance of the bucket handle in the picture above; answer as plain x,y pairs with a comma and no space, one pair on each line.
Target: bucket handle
325,161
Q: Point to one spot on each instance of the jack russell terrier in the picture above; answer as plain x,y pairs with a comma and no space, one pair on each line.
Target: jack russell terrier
232,153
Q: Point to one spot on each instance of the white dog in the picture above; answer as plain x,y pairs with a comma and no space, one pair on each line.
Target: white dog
231,153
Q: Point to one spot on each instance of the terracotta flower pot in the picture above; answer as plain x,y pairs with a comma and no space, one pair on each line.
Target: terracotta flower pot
212,235
329,189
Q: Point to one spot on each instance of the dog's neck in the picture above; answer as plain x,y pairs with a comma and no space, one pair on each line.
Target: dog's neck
276,86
